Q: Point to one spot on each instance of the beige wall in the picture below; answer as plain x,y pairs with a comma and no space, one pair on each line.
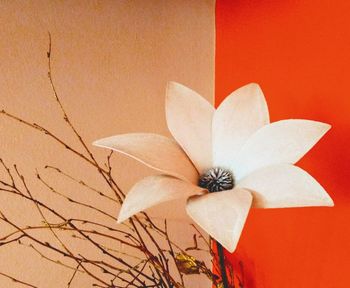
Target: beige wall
111,62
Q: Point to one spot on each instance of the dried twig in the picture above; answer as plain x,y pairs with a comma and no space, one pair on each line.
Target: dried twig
152,268
17,280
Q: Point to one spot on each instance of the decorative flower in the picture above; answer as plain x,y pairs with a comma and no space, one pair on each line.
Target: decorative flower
233,150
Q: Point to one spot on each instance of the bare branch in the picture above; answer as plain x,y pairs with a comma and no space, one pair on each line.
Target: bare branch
17,280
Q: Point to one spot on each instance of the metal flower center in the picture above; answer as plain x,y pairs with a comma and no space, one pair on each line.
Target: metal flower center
217,179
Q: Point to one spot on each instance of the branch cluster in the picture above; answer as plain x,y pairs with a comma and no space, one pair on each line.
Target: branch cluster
151,259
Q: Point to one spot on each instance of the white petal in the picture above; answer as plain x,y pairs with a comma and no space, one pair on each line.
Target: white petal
241,114
284,185
222,215
152,191
155,151
189,118
280,142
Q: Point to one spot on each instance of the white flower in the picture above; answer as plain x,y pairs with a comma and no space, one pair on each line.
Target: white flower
237,139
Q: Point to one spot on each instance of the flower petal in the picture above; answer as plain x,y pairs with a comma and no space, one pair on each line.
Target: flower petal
155,151
241,114
284,185
189,118
152,191
280,142
221,214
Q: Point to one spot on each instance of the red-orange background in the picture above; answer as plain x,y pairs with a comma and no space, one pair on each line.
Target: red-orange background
299,52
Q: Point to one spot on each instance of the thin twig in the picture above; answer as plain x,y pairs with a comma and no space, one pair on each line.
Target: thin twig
17,280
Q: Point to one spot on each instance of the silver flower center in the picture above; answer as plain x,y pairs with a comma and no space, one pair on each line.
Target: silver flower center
217,179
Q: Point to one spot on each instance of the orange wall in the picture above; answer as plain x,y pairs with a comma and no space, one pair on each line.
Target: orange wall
299,52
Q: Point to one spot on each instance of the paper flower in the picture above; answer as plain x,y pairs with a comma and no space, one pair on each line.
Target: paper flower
234,152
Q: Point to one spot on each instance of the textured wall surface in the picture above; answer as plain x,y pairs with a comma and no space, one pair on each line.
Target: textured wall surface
298,51
111,63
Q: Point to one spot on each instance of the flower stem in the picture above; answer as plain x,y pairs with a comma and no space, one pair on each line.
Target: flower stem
222,265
